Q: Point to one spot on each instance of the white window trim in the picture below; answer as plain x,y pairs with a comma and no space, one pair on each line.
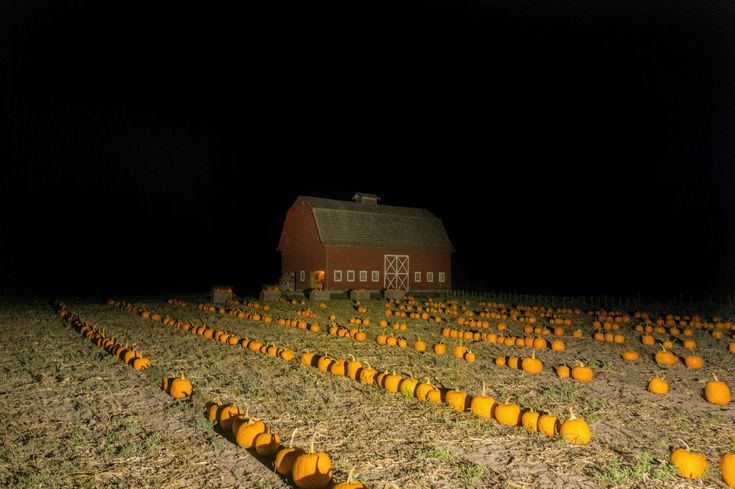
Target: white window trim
430,277
442,277
302,276
338,275
375,276
350,273
363,275
417,277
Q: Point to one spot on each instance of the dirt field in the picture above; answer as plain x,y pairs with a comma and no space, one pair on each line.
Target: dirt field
76,416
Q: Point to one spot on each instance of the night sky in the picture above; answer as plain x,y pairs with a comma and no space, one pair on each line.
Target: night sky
582,147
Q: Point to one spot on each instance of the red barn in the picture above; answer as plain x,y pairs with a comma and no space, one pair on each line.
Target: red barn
338,245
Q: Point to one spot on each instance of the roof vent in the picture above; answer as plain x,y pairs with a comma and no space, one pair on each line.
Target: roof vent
365,199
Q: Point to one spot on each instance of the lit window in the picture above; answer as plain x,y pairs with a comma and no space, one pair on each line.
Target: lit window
350,275
442,277
376,276
302,275
338,275
417,276
363,275
429,276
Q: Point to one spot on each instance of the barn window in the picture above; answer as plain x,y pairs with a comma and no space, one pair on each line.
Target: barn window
442,277
302,276
363,275
376,276
417,276
429,276
350,275
338,275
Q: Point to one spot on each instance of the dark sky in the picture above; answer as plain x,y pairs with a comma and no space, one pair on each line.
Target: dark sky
582,147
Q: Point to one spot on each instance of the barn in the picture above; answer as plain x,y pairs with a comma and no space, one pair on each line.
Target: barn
337,245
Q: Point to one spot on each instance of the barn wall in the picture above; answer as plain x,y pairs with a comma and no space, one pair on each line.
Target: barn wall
358,258
300,246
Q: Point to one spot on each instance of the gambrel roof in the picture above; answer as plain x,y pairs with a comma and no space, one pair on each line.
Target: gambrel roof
345,223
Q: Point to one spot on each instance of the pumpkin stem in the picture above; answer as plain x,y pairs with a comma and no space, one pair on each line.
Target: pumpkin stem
349,476
684,443
353,357
293,435
714,376
311,445
571,413
484,388
428,381
368,365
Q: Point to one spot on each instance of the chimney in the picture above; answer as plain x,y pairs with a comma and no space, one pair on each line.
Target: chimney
365,199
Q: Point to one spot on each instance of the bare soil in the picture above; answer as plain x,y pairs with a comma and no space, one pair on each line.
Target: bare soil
75,416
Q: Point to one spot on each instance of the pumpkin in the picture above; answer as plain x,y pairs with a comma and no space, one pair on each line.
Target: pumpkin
727,468
266,443
350,483
470,357
287,354
225,415
423,389
308,359
575,430
456,400
558,345
658,385
483,404
648,340
563,371
324,363
367,375
141,363
420,345
508,413
459,350
353,366
548,424
717,392
689,344
338,367
529,420
665,357
212,409
286,457
247,431
513,362
440,348
408,386
688,464
434,396
630,356
582,373
391,382
180,387
500,361
532,365
693,361
312,470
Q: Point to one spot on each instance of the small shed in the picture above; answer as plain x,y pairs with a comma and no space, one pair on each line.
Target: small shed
340,245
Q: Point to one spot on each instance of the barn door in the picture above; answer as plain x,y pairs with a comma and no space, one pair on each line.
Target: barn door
395,274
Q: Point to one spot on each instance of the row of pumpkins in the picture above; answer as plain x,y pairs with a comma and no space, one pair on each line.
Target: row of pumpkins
309,469
224,337
574,430
127,355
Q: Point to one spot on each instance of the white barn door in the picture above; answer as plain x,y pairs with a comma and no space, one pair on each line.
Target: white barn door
395,273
